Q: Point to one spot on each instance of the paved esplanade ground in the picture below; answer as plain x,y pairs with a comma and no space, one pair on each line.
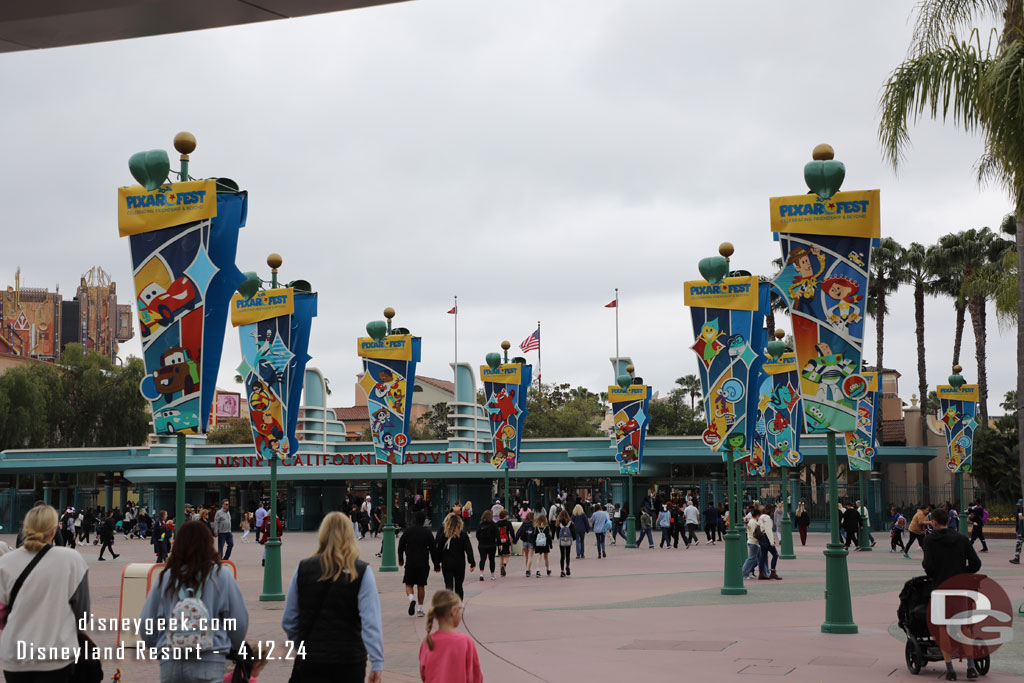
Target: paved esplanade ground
655,613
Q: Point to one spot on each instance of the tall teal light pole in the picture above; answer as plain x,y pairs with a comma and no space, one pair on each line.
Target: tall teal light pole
272,588
388,556
838,606
184,144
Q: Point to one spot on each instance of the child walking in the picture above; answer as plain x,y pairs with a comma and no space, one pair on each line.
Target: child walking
448,656
506,533
527,534
565,531
246,525
542,542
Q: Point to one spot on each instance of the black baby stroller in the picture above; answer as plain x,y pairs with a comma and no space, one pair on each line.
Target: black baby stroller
912,615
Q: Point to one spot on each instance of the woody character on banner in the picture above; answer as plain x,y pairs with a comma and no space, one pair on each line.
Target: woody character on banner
273,328
505,387
728,323
779,411
958,409
630,399
389,375
861,445
183,237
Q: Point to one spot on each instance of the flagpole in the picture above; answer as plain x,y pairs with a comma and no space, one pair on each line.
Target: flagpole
456,352
538,355
616,328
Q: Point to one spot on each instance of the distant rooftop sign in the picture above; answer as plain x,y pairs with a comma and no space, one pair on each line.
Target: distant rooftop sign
60,23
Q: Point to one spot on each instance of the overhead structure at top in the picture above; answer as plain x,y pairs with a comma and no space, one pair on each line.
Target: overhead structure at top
60,23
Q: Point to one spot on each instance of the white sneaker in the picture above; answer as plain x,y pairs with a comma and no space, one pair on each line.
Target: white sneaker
493,578
420,612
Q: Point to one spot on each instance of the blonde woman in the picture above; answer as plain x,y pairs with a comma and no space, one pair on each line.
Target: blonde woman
452,550
333,608
53,596
803,520
246,525
448,656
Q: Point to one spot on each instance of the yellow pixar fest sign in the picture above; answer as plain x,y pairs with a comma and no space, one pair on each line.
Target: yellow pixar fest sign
634,392
262,306
968,392
785,363
392,347
732,293
846,214
509,373
139,210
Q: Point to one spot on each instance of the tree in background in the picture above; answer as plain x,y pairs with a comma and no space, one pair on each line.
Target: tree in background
232,430
558,411
883,279
690,384
918,274
432,425
995,453
672,417
947,74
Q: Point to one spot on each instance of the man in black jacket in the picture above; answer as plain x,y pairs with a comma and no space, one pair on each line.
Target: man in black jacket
946,554
851,525
417,546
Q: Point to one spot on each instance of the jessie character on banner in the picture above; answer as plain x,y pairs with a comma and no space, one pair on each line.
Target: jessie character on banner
844,291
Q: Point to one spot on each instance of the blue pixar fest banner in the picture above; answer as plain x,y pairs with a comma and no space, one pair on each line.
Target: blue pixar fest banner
389,375
630,417
779,417
958,410
183,238
505,388
826,247
862,444
728,323
273,329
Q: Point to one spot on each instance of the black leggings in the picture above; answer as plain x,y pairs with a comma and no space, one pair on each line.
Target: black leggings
709,531
58,676
563,557
453,578
914,537
897,540
106,545
487,553
978,534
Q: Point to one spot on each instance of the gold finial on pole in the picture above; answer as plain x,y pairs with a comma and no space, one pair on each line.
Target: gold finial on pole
823,152
726,249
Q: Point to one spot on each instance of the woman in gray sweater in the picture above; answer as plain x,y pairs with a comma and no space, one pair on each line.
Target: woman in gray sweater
193,582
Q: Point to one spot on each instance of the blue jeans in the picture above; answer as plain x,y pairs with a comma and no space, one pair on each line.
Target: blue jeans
192,670
765,552
753,556
618,530
227,539
579,544
600,542
650,538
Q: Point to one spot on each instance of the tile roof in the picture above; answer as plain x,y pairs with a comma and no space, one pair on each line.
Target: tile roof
892,433
352,414
442,384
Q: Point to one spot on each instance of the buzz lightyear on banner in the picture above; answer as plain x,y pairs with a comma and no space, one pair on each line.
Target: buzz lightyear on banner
823,282
385,388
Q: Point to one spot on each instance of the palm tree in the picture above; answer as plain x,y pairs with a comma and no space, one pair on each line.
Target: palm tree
946,75
949,281
977,255
918,273
883,279
691,385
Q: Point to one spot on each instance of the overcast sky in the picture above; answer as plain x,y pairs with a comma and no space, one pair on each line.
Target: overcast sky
529,157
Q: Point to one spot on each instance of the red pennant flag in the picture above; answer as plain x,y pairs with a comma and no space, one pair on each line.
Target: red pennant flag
454,309
612,304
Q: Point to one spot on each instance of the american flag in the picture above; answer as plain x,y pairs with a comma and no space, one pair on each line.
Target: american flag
532,342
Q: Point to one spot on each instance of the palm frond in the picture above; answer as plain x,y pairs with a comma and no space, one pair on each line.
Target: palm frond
937,20
942,83
1001,111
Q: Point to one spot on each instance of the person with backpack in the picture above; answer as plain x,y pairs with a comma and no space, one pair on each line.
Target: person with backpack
542,542
767,546
333,609
448,656
581,525
487,541
506,536
617,519
899,525
106,534
67,527
416,548
600,523
452,549
978,517
46,591
525,537
565,531
193,594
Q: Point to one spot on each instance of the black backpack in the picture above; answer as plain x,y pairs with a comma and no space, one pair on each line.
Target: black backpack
912,613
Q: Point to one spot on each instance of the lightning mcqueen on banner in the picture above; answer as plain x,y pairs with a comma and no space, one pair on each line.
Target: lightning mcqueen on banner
505,402
185,275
